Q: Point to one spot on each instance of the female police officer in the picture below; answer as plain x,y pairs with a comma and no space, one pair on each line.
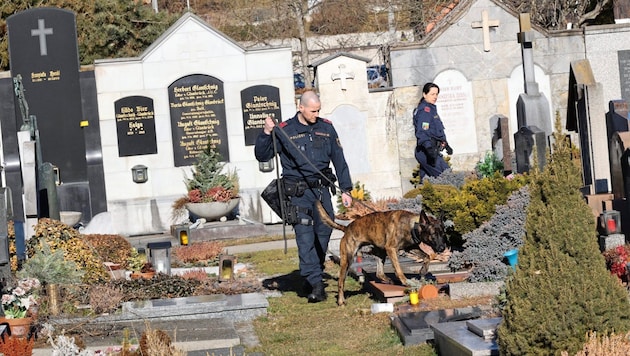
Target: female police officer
430,137
306,151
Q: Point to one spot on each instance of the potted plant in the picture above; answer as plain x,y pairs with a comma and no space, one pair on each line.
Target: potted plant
212,190
139,266
17,304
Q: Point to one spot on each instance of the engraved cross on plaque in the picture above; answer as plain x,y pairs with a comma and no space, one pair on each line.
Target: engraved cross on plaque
485,24
342,76
41,32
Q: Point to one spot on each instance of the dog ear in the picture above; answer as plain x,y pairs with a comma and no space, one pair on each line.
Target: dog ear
424,218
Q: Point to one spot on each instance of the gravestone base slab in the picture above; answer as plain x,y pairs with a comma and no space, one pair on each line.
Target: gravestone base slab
414,327
467,338
609,242
226,230
469,290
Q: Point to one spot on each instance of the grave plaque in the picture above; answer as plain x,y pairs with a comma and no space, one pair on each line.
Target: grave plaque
43,50
624,74
257,103
197,106
135,126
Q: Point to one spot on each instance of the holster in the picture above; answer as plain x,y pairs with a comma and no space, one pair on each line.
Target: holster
271,195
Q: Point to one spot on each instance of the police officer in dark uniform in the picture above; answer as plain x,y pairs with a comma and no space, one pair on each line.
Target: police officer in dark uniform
303,184
430,137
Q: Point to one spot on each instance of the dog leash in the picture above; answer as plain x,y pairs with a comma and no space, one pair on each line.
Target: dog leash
279,184
308,161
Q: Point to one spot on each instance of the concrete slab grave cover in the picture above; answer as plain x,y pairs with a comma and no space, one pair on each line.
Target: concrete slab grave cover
415,327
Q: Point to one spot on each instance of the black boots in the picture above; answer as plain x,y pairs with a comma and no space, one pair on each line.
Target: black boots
318,294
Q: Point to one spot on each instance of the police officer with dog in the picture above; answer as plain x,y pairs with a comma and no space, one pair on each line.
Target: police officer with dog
306,145
430,136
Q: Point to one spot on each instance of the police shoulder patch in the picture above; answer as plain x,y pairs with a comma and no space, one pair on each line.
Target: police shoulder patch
427,109
283,124
326,121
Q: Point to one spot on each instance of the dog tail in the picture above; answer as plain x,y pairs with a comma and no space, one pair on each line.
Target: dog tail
326,219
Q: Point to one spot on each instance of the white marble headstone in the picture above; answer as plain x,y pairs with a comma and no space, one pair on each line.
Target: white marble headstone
455,107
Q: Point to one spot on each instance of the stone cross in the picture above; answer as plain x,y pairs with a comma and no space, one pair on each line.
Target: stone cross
41,32
526,38
342,76
485,24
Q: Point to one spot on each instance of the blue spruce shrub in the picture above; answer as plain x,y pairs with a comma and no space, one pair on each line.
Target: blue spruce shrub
484,247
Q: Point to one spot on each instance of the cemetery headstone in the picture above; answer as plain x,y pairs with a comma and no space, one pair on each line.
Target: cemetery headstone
43,50
529,141
623,58
258,102
585,115
500,129
197,105
532,107
135,126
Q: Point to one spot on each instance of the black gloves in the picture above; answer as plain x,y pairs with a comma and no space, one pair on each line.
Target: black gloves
449,149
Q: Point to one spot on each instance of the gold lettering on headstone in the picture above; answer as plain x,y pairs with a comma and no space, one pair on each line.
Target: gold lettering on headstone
198,121
134,116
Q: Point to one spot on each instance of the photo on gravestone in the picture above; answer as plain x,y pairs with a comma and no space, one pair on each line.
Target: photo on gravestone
257,103
43,50
135,126
197,106
624,74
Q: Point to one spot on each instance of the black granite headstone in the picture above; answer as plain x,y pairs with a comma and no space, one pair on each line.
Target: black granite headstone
529,142
43,50
414,327
197,106
624,74
135,126
257,103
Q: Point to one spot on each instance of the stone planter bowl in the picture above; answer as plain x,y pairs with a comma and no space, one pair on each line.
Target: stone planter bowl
70,218
214,210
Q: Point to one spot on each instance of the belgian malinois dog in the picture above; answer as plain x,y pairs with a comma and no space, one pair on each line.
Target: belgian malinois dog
387,232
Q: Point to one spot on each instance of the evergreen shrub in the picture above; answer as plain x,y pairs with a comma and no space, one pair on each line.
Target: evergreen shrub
561,289
483,248
473,204
59,236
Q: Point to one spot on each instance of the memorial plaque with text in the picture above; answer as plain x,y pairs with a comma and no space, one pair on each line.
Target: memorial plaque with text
624,74
257,103
197,106
135,126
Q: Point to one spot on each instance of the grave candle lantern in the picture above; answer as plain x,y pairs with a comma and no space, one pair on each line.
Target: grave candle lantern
226,268
610,222
160,256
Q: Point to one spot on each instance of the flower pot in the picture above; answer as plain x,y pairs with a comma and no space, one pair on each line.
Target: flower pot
18,327
143,275
428,291
414,298
512,257
213,210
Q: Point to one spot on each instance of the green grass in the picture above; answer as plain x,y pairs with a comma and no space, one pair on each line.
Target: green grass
294,327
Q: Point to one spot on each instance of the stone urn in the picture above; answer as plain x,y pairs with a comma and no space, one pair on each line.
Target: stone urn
214,210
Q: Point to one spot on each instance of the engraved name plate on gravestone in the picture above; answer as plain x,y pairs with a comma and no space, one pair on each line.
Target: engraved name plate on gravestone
624,74
257,103
43,50
197,106
135,126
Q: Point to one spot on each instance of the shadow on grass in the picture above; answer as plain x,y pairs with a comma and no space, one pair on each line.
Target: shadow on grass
294,282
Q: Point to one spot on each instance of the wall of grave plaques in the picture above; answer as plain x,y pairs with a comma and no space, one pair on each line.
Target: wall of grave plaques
197,107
